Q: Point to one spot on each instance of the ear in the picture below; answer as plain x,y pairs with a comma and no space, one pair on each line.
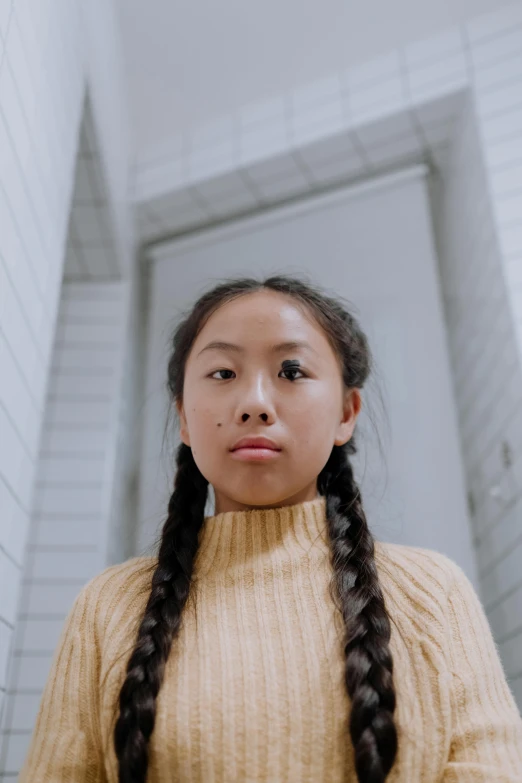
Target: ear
183,428
351,409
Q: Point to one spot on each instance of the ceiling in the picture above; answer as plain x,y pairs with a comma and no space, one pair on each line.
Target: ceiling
188,62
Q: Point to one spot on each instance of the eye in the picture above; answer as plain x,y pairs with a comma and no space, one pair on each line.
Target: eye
221,379
293,369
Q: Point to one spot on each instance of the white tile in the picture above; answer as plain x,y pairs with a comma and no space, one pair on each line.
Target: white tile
269,112
231,203
229,184
337,170
49,599
316,136
93,412
503,153
509,210
104,332
511,240
258,142
495,22
439,134
73,441
397,149
446,71
500,100
173,201
321,121
441,46
510,649
92,358
73,268
274,168
17,747
90,223
14,390
283,188
214,133
17,541
337,146
67,532
204,162
497,48
502,126
154,181
5,642
5,13
83,189
41,635
69,565
379,130
387,97
25,709
9,587
13,457
12,515
376,70
198,212
439,105
316,93
33,671
60,499
172,147
513,267
499,73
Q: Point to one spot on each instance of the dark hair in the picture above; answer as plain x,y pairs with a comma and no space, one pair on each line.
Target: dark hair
355,584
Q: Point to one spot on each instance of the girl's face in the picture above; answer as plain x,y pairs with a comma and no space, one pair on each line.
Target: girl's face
236,386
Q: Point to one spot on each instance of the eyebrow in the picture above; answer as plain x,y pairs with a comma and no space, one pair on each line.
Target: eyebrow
289,345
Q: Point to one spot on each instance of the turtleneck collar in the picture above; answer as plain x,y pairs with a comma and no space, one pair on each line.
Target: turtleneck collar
257,538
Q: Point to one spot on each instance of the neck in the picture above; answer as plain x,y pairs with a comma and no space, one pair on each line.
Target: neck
224,503
255,539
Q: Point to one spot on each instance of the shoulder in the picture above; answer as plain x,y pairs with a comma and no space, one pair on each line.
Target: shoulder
117,593
417,579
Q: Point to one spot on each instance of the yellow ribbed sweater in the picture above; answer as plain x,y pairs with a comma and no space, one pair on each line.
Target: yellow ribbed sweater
253,689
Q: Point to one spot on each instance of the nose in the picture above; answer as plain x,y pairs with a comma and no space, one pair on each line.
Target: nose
263,416
255,403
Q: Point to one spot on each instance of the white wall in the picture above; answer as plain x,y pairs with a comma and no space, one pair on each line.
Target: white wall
212,58
41,95
487,377
51,51
382,112
374,247
70,532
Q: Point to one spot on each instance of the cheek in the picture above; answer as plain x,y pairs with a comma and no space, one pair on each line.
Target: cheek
312,417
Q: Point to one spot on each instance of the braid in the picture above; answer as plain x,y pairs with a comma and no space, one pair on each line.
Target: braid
355,581
161,620
369,664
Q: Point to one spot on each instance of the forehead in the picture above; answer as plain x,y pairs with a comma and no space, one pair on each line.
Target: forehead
261,316
259,324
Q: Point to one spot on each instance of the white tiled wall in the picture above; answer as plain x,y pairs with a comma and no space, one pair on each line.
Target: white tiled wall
496,46
404,106
51,53
40,88
70,530
124,506
91,251
487,380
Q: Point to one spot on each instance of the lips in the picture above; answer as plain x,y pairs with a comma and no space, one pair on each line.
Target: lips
255,443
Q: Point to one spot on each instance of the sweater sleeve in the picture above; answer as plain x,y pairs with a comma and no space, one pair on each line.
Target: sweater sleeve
486,741
65,745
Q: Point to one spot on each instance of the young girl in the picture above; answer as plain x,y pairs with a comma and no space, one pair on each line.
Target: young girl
274,641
